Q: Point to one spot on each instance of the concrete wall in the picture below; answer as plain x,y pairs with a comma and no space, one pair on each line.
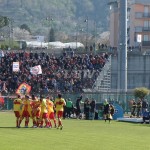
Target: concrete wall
114,26
138,71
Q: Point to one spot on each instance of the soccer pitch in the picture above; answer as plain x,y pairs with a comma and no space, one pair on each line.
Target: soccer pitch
76,135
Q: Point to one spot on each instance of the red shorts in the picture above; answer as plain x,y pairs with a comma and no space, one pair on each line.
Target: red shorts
25,114
59,114
44,116
17,114
38,114
51,115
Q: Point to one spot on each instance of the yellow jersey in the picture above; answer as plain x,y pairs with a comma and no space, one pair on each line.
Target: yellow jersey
44,106
50,106
26,105
17,103
59,104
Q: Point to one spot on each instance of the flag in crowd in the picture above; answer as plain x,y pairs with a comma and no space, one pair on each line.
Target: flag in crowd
36,70
15,66
23,89
1,53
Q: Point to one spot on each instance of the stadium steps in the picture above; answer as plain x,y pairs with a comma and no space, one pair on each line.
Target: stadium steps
103,81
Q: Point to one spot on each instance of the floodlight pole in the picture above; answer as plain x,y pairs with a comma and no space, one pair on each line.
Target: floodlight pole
122,49
76,35
87,30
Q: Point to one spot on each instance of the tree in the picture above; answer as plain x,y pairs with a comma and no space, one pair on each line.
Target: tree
141,92
4,21
25,27
21,34
51,37
61,36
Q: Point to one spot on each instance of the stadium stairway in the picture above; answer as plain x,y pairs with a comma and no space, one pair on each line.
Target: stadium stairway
103,81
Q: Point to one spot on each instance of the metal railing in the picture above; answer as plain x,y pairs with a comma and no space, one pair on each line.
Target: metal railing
145,43
146,29
140,15
103,81
111,96
146,15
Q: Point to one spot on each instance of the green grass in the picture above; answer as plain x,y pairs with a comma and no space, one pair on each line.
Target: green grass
76,135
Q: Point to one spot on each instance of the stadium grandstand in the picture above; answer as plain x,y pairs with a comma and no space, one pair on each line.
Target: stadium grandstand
64,73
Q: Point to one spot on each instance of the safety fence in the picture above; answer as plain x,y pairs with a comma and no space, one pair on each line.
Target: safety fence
120,98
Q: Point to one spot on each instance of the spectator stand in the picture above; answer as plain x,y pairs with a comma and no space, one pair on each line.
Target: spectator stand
65,73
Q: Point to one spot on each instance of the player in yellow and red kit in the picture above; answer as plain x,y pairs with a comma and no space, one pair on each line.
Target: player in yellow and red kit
59,107
44,112
26,111
17,110
35,105
38,113
51,115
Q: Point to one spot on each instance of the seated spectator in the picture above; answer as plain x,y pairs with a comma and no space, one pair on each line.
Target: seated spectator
65,73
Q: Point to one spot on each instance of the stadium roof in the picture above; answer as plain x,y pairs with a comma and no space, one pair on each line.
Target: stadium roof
74,45
56,45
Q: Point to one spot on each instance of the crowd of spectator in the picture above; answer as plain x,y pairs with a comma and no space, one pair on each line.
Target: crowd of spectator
65,73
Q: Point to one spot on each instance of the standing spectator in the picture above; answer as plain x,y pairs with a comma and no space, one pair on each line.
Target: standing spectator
65,110
146,116
54,83
72,53
106,109
92,109
87,108
139,107
78,107
144,106
130,103
134,105
69,108
112,111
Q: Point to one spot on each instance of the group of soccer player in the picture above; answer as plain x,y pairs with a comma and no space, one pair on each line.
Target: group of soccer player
41,110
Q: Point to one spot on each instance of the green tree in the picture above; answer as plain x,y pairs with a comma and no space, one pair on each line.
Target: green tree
51,37
4,21
141,92
25,27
